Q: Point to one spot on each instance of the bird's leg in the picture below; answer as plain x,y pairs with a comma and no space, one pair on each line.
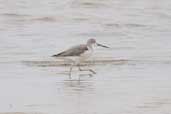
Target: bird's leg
71,67
70,71
79,67
92,71
86,75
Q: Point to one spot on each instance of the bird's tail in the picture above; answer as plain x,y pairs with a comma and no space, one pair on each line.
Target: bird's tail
57,55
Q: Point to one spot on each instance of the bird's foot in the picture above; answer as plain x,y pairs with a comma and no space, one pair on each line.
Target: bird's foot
92,71
90,75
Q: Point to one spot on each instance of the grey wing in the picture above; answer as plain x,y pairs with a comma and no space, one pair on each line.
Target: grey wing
74,51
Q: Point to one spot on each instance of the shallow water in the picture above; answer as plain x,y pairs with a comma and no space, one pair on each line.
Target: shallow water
133,76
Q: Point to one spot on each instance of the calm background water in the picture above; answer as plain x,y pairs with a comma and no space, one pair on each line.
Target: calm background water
138,31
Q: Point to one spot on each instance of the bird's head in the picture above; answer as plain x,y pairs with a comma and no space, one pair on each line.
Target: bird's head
92,42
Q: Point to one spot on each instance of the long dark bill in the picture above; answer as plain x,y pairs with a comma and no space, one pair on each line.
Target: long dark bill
102,45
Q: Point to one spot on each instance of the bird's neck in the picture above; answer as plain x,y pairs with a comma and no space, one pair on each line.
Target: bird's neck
90,47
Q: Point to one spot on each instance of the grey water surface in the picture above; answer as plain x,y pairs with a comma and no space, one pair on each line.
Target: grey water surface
138,32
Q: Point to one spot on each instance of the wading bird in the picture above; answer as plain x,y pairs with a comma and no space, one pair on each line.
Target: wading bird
79,53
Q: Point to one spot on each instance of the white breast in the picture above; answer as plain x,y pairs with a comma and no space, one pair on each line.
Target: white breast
86,55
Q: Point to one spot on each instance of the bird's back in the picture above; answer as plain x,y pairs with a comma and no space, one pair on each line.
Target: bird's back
74,51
